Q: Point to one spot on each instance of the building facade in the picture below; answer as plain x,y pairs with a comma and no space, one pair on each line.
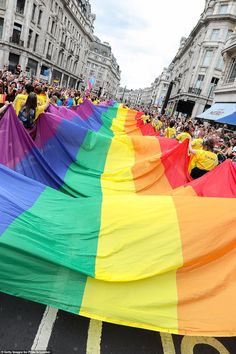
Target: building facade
160,88
50,39
103,68
198,65
226,90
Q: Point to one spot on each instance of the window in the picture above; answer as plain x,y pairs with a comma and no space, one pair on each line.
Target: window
223,9
44,70
16,34
229,33
40,17
199,82
49,52
207,58
33,13
13,61
232,72
35,42
20,7
1,26
32,66
220,63
214,82
53,27
215,34
29,38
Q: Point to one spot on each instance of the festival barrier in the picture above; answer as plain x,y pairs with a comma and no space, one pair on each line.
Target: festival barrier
138,246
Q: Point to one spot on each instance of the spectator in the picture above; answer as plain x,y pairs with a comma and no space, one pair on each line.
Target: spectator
204,160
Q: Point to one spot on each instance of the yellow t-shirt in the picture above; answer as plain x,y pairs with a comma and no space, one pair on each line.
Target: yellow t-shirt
204,160
39,110
197,144
41,99
170,132
157,124
183,136
19,101
78,102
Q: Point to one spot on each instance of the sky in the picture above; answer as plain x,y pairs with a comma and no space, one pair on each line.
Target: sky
144,34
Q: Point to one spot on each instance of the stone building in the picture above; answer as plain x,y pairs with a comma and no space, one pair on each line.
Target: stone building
226,90
160,87
102,66
50,39
198,65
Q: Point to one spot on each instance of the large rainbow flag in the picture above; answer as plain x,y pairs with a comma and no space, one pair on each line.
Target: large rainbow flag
98,219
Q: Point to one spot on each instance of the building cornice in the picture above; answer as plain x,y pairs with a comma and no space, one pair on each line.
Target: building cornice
202,23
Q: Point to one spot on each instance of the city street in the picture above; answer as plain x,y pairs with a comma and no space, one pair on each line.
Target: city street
117,177
29,326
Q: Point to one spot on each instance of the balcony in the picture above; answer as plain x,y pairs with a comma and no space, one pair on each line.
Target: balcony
16,40
230,46
195,91
3,4
49,56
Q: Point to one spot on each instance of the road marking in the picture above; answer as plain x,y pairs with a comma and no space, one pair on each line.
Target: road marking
188,344
45,329
167,343
94,337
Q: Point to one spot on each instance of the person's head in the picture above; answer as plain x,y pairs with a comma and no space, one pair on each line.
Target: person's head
186,129
31,102
172,123
13,85
53,100
208,144
29,88
201,133
38,90
57,94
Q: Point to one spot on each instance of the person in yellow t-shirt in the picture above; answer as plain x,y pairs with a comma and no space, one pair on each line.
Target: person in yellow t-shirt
198,141
197,144
170,132
145,118
184,135
30,110
204,160
22,97
157,124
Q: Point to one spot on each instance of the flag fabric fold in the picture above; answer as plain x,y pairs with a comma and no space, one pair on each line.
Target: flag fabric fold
98,219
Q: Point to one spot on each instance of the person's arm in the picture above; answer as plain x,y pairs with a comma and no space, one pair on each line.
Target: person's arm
191,150
3,108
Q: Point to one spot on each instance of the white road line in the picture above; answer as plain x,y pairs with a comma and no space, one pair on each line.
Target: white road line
45,329
167,343
94,337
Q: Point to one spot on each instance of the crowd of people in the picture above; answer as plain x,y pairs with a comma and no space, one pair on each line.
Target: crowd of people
210,144
30,97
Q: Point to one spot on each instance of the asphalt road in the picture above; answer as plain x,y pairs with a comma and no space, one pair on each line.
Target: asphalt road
27,327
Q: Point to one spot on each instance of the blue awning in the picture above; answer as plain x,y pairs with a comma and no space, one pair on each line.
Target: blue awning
221,113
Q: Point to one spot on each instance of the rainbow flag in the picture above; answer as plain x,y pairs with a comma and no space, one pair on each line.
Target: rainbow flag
125,236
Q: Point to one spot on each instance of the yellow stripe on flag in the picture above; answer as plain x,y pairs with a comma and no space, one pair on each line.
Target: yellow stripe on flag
139,252
117,176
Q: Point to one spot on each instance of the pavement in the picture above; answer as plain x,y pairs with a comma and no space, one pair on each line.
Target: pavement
27,327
